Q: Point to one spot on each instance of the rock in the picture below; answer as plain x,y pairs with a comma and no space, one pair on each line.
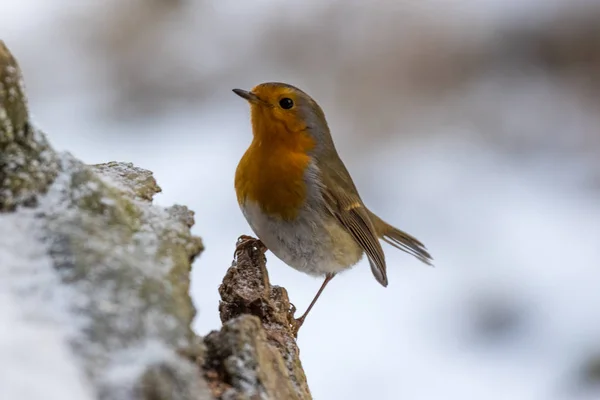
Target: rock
119,264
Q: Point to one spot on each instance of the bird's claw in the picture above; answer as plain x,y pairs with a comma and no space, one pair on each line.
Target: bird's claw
296,324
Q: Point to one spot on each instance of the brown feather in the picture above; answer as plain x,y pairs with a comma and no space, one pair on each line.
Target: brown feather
342,200
355,218
401,240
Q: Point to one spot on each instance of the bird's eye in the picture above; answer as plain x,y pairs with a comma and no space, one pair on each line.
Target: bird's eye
286,103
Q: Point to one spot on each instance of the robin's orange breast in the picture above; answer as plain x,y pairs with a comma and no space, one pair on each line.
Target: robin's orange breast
273,179
272,171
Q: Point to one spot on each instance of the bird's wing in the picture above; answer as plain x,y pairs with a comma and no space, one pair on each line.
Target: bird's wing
342,200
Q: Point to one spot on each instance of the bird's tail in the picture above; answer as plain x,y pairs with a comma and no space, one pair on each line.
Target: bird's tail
401,240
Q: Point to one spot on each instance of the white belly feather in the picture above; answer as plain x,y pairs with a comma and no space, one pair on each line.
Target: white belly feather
315,246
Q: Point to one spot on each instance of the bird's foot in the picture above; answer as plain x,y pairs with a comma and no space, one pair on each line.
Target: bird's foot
295,323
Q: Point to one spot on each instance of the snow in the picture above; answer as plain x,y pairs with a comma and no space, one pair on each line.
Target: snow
35,324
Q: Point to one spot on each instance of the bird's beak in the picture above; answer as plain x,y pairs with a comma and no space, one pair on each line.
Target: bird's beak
251,97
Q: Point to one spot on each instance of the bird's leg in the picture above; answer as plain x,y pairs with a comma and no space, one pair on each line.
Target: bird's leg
299,321
245,240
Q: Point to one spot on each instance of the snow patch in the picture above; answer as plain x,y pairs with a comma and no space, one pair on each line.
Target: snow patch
35,324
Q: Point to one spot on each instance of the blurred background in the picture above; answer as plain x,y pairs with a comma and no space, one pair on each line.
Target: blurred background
473,125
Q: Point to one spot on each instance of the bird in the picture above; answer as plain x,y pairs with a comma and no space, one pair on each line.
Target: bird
299,198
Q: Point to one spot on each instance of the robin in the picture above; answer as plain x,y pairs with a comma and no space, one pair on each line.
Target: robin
298,196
